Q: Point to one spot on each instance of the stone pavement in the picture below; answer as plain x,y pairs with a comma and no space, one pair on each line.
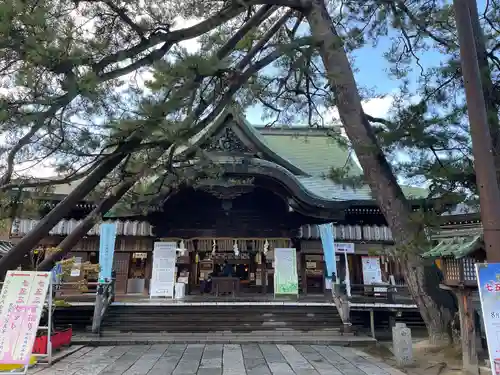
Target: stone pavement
218,359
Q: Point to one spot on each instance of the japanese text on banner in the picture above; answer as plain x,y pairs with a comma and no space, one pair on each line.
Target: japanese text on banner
21,304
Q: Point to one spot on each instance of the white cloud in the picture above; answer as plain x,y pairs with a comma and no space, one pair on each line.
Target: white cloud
191,45
376,107
42,170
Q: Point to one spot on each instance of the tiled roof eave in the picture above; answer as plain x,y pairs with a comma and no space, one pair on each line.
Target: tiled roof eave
458,247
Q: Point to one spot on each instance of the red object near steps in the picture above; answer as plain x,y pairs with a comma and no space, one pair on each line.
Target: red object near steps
59,339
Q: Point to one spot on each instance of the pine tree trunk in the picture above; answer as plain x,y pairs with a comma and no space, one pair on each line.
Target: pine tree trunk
408,234
15,256
436,316
490,97
82,229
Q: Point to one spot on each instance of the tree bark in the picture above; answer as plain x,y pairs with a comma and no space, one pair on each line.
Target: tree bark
486,82
468,332
31,240
408,234
81,230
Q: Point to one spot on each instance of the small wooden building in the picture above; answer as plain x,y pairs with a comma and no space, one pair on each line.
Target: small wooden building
456,257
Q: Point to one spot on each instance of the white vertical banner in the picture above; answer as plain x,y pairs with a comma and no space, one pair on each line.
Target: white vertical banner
372,272
21,303
286,279
163,275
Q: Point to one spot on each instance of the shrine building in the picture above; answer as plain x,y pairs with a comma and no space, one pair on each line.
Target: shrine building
272,193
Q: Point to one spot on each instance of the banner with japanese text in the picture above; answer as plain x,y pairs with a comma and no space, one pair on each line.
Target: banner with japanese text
328,243
488,281
286,280
106,250
164,270
21,304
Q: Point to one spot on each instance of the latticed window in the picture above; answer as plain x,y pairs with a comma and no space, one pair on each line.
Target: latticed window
469,269
452,269
460,270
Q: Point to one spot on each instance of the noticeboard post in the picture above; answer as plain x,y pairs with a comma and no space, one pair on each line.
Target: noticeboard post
163,274
21,304
286,280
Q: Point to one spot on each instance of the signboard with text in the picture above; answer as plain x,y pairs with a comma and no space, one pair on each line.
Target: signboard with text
286,279
76,269
21,304
488,281
163,275
107,241
344,247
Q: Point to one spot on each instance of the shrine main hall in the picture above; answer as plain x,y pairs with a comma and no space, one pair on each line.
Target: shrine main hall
272,192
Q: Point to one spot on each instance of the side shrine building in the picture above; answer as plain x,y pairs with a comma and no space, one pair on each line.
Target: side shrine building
272,194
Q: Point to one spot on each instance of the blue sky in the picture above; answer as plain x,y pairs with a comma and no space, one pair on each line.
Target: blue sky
372,70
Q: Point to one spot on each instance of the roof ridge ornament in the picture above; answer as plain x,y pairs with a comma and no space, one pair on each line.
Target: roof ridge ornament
227,140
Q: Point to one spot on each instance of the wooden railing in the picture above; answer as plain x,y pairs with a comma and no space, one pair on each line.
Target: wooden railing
104,298
339,296
380,293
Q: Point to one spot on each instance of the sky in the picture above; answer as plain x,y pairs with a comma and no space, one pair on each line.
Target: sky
371,72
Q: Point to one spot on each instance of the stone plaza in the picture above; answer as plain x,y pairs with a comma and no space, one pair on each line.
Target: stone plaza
218,359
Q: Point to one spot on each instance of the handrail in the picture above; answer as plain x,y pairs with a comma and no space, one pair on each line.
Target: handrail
341,301
380,291
105,296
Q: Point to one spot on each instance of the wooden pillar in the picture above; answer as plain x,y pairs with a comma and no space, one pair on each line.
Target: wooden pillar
263,273
468,331
304,273
372,322
148,274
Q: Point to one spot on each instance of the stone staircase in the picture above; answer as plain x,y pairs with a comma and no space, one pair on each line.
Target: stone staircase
221,318
79,317
227,323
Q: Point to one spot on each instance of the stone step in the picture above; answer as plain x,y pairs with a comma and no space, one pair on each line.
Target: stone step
225,309
208,319
304,339
213,328
202,319
277,332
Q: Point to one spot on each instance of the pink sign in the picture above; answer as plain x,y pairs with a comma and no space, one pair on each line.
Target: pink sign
16,321
21,304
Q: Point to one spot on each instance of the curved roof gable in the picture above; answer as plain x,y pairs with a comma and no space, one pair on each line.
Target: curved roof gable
231,133
308,153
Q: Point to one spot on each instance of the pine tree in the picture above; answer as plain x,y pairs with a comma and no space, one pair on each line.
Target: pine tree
306,41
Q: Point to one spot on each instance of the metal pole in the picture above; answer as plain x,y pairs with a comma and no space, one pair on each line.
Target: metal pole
482,147
347,280
49,322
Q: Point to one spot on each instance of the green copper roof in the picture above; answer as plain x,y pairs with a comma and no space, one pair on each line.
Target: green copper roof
316,154
457,247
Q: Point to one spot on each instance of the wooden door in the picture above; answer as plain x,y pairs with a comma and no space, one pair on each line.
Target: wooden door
121,263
